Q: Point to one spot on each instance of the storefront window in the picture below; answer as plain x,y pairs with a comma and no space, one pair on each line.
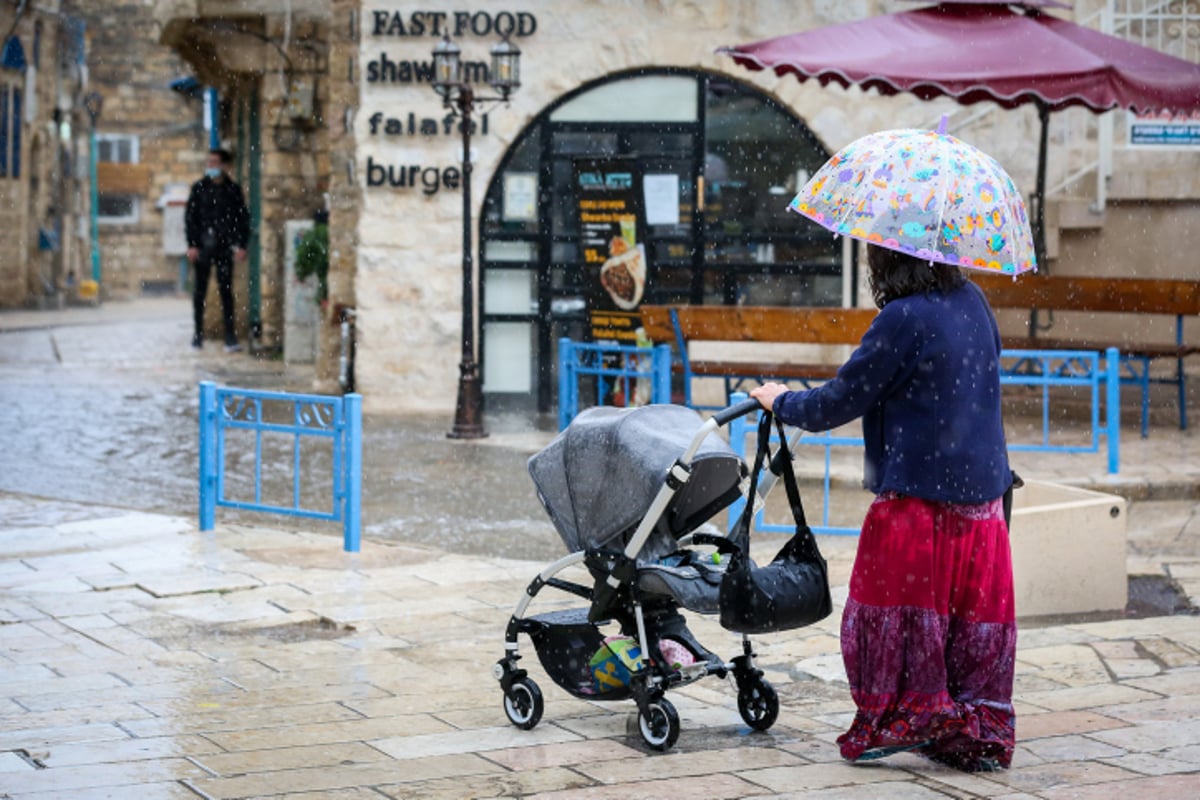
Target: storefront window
757,156
653,98
715,163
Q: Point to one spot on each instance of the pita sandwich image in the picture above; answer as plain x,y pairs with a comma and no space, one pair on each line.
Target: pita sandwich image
624,278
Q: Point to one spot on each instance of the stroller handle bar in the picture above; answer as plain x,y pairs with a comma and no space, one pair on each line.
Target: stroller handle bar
727,415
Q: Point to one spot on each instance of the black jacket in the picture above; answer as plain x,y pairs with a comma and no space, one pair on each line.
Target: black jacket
216,217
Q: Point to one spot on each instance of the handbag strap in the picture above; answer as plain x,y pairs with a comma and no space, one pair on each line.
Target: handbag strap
741,530
789,479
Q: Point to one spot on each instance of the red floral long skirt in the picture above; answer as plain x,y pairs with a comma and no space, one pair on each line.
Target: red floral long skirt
929,634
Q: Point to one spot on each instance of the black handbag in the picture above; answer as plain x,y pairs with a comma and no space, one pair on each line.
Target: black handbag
793,590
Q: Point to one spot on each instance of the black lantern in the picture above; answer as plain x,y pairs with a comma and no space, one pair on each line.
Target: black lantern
460,96
447,66
506,67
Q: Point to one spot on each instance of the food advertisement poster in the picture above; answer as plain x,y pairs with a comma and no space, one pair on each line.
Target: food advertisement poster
614,260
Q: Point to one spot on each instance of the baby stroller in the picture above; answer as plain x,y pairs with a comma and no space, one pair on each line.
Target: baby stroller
627,490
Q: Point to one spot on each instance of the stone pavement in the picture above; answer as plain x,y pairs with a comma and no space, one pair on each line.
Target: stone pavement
142,659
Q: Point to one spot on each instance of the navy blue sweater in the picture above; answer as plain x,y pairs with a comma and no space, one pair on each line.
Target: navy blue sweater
925,380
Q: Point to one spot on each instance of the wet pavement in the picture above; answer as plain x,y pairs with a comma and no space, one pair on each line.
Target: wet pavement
141,658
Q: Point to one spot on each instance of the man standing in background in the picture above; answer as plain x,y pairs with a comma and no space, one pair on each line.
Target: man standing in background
218,229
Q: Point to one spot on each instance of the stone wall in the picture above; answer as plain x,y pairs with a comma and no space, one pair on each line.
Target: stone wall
294,153
45,196
345,190
132,72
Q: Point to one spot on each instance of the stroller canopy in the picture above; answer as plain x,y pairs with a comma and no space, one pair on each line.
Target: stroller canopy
599,476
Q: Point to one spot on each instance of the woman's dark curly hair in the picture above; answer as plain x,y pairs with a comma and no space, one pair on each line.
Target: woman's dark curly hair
895,275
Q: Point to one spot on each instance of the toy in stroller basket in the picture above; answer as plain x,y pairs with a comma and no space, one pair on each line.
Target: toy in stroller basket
627,490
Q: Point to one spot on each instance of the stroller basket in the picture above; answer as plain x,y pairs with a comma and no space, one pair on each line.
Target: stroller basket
565,641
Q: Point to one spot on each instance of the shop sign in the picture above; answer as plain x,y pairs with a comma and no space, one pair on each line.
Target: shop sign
614,260
515,24
1164,130
417,27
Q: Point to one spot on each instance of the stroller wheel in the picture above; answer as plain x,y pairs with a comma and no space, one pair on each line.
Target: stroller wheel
523,704
758,704
659,724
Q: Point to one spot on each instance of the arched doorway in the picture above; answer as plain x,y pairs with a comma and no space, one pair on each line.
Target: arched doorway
734,156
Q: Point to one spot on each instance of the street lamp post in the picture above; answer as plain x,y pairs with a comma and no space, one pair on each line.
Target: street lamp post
458,95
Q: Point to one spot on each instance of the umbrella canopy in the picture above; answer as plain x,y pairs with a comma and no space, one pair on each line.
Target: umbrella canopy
985,51
924,193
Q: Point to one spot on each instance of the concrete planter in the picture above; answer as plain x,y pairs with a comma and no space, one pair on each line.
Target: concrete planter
1068,548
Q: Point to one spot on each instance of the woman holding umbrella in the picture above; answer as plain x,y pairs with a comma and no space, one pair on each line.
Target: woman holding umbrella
929,632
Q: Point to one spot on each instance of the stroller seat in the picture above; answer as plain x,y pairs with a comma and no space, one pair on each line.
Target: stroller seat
687,577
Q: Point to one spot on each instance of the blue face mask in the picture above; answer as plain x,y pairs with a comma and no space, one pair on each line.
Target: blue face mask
212,172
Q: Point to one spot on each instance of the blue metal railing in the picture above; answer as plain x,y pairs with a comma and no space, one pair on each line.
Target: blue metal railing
1043,368
1079,368
610,364
743,426
336,420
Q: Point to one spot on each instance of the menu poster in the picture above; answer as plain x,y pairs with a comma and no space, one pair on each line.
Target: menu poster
614,260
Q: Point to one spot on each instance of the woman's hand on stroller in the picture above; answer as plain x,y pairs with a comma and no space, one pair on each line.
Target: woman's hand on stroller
767,393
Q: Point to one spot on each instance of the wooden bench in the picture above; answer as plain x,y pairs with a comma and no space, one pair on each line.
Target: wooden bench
1143,296
681,325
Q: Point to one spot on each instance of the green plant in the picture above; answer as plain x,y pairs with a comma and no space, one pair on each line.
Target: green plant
312,258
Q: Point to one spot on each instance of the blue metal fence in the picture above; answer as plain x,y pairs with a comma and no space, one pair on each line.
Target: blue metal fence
620,367
1041,368
321,418
1079,368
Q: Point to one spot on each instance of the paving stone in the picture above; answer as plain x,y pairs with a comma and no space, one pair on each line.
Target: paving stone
67,780
1170,654
1151,737
526,783
1175,708
562,754
1169,787
815,750
11,762
480,740
159,790
803,778
317,779
1188,753
282,758
716,787
1071,748
1042,777
209,717
893,790
1149,764
679,764
1176,682
1082,697
17,718
1057,723
328,733
71,755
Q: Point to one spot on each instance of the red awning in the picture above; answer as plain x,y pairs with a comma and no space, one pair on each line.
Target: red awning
983,51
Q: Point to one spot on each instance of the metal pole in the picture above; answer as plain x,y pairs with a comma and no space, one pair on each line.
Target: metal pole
468,410
1113,408
93,205
352,521
208,480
